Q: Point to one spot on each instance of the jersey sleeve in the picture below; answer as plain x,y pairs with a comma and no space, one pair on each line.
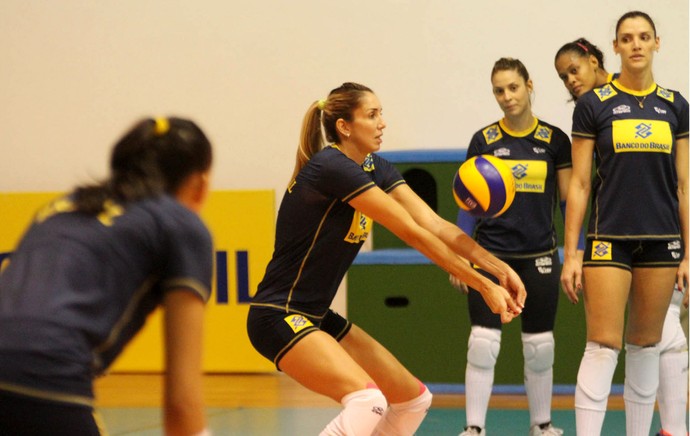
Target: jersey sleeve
584,125
189,260
682,118
341,177
475,146
386,176
564,158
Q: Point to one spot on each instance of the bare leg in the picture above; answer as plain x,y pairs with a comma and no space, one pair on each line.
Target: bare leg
319,363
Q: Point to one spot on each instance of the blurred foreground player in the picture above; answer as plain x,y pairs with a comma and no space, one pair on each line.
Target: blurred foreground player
90,269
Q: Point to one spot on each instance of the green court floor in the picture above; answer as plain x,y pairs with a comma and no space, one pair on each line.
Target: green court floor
310,421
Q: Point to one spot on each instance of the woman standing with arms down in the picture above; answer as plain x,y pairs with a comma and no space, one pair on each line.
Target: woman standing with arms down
580,64
91,268
326,214
525,238
638,229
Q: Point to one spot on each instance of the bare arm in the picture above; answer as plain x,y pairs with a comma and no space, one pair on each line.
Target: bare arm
682,172
458,241
183,403
578,195
384,209
563,179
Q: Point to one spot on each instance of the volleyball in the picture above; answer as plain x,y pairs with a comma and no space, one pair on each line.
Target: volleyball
484,186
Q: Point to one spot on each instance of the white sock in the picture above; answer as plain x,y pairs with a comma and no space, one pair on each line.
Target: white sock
672,395
538,351
483,348
362,410
403,419
673,391
641,384
478,385
539,386
593,387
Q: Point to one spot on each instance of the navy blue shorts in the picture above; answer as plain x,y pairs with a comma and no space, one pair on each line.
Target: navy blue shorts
273,332
541,276
27,416
633,254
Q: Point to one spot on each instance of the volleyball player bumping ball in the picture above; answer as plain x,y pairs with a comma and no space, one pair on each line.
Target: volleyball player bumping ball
337,190
516,224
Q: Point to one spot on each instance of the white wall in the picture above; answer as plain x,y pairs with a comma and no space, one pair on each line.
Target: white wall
75,73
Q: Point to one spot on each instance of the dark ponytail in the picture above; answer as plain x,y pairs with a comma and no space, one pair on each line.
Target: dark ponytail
154,157
582,48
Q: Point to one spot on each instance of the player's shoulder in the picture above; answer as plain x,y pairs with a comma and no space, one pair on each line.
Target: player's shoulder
172,216
672,96
330,155
599,94
545,128
543,123
487,135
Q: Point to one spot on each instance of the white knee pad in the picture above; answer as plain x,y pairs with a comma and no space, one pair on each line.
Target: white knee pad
422,403
483,347
361,413
676,301
594,377
641,373
404,418
538,350
673,337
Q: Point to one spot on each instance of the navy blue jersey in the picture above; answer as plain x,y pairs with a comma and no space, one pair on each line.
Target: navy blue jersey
318,234
534,156
79,287
634,192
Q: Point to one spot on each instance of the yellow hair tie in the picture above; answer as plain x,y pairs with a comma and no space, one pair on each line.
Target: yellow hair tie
322,104
162,126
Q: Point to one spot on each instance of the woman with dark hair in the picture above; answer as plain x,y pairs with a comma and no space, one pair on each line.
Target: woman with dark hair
634,253
525,238
580,64
90,269
326,214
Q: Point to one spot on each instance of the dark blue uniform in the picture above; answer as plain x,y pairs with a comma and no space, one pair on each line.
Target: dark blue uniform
634,192
635,136
527,227
79,287
525,235
318,235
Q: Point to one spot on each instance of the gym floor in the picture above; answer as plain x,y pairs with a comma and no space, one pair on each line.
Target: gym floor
273,404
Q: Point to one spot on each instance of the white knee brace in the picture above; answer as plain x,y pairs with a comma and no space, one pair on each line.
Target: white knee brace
483,347
594,377
673,336
641,373
404,418
538,350
361,413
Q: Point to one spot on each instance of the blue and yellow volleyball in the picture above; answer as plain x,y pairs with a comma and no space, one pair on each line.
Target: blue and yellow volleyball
484,186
